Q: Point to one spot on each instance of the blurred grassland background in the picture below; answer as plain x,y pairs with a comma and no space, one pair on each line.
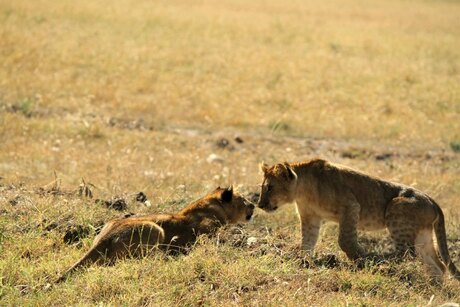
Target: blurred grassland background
386,69
136,95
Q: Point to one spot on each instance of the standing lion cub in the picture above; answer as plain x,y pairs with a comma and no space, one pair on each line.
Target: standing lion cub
326,191
136,236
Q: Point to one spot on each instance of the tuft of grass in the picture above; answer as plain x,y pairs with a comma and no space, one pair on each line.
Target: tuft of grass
455,146
25,106
279,126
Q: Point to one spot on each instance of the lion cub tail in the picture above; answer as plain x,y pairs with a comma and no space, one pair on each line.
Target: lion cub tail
440,231
92,256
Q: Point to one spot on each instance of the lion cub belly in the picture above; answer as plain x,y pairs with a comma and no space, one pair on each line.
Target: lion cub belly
366,222
323,212
371,221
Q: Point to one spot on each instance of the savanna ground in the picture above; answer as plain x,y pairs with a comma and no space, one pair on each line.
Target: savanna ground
137,96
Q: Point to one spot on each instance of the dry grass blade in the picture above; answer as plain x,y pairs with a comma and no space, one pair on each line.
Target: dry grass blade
84,189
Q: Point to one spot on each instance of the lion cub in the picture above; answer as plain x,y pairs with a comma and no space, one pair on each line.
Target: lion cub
136,236
326,191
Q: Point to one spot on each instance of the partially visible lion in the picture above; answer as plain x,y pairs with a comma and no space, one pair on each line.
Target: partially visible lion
326,191
136,236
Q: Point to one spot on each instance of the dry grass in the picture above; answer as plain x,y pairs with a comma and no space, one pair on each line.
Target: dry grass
134,96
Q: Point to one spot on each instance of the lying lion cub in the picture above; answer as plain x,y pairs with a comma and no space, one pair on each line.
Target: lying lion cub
326,191
135,236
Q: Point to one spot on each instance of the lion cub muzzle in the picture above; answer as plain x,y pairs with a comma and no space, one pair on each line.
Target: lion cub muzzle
267,207
265,204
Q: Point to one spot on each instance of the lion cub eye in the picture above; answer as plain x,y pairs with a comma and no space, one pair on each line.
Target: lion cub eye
269,188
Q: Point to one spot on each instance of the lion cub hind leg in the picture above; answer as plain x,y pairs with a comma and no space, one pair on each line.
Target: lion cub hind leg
135,240
402,228
410,224
425,248
145,237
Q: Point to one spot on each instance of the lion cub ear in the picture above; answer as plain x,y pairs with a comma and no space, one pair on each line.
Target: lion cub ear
227,194
263,167
290,172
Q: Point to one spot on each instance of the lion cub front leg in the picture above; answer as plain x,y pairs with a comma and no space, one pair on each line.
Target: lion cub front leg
348,232
310,226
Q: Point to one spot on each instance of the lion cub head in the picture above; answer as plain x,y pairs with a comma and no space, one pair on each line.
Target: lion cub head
236,207
278,187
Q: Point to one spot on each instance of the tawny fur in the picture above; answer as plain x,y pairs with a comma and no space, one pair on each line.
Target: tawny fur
137,236
325,191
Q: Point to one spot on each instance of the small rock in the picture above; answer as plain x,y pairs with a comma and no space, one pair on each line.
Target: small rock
47,286
238,139
213,158
222,143
141,197
251,241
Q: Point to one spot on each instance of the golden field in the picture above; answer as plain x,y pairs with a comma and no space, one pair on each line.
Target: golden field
137,95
